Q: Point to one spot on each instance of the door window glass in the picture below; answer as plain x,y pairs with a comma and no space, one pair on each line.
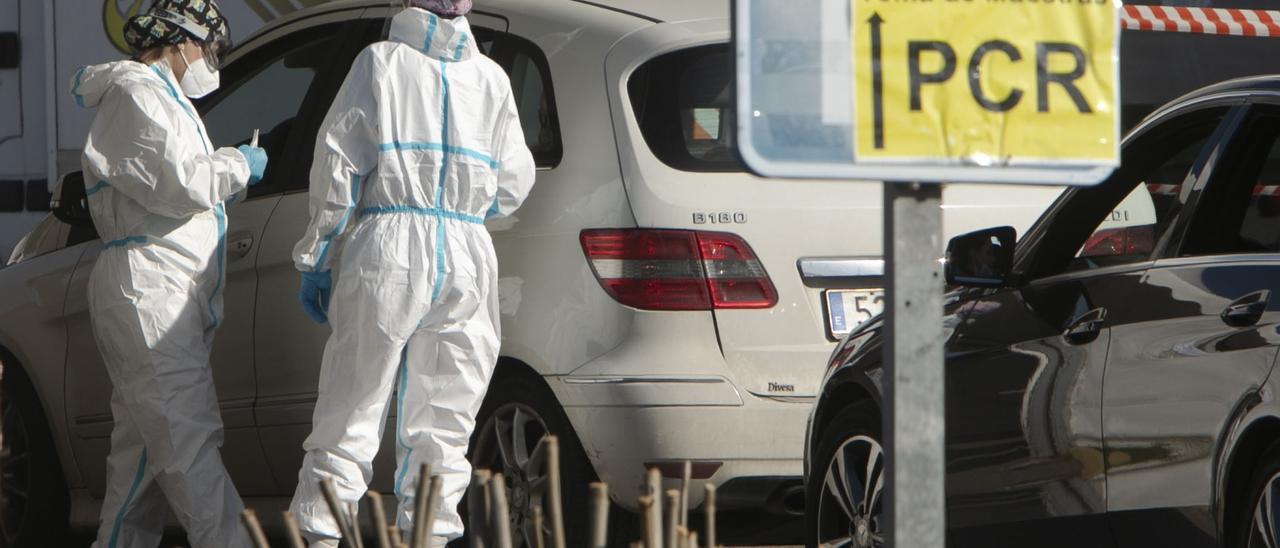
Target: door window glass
265,93
1129,232
1240,209
531,85
1121,220
682,103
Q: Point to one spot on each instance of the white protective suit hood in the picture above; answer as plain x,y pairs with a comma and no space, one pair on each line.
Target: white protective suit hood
157,190
422,144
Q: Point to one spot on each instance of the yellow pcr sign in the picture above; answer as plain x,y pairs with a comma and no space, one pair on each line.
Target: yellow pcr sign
986,82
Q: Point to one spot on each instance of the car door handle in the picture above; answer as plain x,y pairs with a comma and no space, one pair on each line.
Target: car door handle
1085,328
1247,310
240,245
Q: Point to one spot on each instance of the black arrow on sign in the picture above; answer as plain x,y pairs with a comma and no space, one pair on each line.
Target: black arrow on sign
877,81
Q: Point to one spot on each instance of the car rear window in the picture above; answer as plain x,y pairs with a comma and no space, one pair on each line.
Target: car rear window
683,102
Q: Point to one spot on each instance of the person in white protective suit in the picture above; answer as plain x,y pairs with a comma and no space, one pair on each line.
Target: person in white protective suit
157,191
422,144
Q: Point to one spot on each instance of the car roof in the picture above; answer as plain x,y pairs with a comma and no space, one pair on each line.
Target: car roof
657,11
1248,86
665,11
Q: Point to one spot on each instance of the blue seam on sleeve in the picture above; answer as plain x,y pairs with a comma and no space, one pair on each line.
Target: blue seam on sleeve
125,242
342,224
128,500
494,210
95,188
75,89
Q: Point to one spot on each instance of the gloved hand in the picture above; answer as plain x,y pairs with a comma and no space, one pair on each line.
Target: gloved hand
257,159
314,295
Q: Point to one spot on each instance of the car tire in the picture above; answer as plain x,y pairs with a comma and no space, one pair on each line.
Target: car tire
845,447
1246,530
34,504
521,408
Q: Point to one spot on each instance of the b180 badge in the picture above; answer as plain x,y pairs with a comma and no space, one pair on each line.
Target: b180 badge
720,218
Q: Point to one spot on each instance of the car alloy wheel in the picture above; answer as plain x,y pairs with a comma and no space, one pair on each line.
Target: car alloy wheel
849,506
15,473
1265,524
509,443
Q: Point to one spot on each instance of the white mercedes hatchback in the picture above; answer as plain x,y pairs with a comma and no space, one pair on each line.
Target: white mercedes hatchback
659,303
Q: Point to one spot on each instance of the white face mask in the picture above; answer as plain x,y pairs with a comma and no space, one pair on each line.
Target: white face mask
198,80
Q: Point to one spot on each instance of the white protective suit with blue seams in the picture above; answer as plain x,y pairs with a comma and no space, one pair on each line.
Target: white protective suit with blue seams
157,191
421,145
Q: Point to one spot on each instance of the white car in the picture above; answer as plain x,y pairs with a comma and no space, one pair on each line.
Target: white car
659,304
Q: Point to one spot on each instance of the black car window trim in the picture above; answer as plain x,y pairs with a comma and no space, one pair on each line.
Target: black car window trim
1233,156
1268,258
381,14
1082,275
1030,247
1232,124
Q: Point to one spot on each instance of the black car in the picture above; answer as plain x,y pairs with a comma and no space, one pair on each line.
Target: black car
1109,376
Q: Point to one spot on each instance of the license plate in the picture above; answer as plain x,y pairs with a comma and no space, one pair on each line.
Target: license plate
847,308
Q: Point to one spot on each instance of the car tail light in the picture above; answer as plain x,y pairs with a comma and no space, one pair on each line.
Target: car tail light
678,269
1120,242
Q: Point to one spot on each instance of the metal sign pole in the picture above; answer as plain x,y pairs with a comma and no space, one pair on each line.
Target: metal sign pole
914,424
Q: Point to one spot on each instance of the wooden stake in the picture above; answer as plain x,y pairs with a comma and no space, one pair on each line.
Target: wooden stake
433,508
671,525
478,508
553,490
599,515
709,507
353,513
418,537
646,521
693,539
250,520
501,518
337,509
292,531
537,539
653,488
394,533
682,537
379,518
684,493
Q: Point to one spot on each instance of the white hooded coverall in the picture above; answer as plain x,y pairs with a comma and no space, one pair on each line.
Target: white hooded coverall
156,189
421,145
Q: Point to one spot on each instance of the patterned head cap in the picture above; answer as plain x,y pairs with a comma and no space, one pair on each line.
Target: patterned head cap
443,8
170,22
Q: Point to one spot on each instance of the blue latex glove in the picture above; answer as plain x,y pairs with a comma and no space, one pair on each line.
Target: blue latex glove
314,295
257,159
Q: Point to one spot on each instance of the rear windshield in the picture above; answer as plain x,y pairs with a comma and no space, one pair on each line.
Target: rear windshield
683,103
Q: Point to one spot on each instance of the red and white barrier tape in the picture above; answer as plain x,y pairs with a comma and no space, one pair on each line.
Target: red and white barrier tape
1234,22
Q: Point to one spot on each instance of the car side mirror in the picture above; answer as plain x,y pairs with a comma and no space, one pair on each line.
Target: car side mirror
70,204
981,259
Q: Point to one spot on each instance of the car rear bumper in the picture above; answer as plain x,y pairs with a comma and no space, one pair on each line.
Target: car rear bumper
752,447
